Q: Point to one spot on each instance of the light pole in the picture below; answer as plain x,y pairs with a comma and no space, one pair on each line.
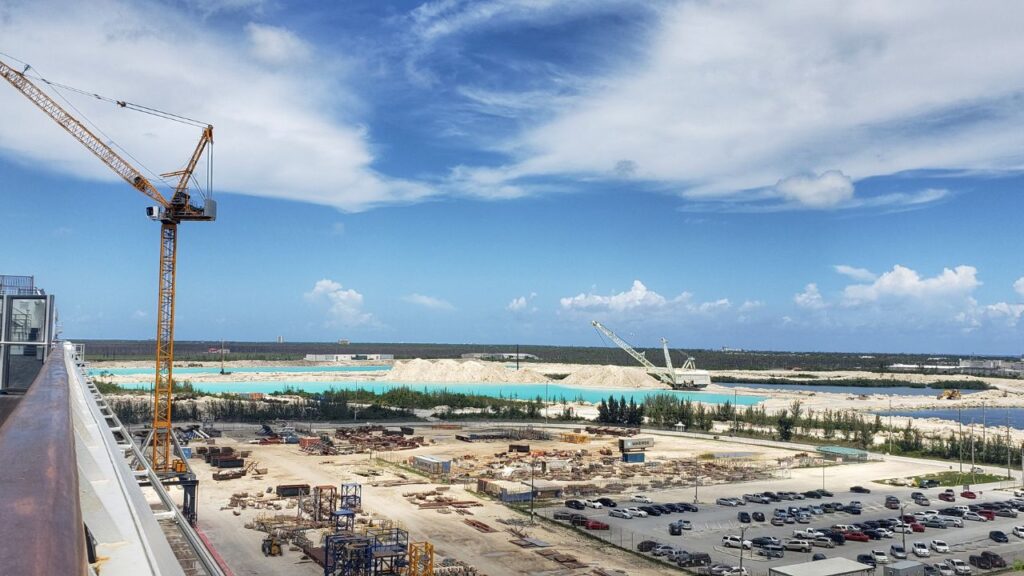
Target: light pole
906,526
743,533
823,474
533,492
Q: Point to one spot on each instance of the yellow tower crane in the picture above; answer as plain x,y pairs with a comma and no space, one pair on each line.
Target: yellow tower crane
169,213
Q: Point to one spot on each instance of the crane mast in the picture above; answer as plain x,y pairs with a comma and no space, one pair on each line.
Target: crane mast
169,213
638,356
668,362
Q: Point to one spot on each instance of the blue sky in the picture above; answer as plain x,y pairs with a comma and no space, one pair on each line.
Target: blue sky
808,176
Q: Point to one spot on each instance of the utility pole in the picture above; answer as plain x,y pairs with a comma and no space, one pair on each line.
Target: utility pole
973,477
533,493
1008,474
743,532
903,512
890,426
960,425
735,414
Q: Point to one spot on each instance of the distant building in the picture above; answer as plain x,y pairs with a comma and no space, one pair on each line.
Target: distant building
27,331
346,357
498,356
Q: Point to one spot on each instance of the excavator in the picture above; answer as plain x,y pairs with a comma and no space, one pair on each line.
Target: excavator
181,206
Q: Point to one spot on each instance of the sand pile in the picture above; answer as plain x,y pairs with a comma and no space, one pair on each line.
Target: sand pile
613,377
454,371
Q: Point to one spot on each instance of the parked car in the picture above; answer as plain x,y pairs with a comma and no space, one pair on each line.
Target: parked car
727,502
996,560
636,512
880,557
646,545
743,517
979,561
733,541
694,560
595,525
640,498
687,507
857,536
650,511
818,556
898,551
867,559
920,549
762,541
684,524
807,533
620,513
947,497
934,522
1006,512
968,494
959,566
778,521
929,483
988,514
922,501
823,542
592,504
577,519
943,569
940,546
758,516
798,545
860,490
998,536
772,551
915,527
975,517
607,502
575,504
812,494
1018,531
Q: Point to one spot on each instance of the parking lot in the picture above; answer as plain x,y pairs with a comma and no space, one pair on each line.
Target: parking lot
713,521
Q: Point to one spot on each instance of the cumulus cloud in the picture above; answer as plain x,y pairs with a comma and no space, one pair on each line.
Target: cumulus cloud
638,296
274,45
276,127
902,282
859,274
428,302
344,306
823,191
810,298
520,303
1018,286
751,305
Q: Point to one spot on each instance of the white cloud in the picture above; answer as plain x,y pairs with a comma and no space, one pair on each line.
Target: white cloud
277,46
344,307
637,297
810,298
859,274
903,283
783,89
1018,286
519,304
715,306
751,305
277,130
825,191
428,302
139,315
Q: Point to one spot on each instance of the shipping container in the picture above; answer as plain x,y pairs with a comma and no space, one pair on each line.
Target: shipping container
186,451
230,463
286,490
636,443
519,448
407,430
431,464
633,457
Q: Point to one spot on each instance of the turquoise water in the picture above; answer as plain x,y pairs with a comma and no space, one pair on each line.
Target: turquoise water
248,369
554,392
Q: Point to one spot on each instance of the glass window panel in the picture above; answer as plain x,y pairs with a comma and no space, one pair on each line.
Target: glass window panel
27,320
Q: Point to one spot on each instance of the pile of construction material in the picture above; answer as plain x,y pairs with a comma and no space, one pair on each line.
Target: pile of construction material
365,439
453,567
470,371
438,499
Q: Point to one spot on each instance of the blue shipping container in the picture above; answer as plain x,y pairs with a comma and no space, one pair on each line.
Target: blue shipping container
633,457
186,451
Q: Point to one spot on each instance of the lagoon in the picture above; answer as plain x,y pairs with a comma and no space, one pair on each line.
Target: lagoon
240,370
553,392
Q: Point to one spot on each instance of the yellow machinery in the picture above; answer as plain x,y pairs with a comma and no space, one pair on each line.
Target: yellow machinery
169,213
271,546
949,394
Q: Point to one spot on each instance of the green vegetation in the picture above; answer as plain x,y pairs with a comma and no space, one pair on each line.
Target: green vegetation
802,379
952,478
618,412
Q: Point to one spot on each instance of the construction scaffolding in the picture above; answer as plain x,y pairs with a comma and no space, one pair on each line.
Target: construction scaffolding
348,554
421,559
390,550
325,499
351,496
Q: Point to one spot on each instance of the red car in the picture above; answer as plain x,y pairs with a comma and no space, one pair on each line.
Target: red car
987,514
917,527
947,497
968,494
908,518
595,525
857,536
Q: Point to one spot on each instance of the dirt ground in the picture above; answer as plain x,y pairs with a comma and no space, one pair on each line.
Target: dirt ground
491,553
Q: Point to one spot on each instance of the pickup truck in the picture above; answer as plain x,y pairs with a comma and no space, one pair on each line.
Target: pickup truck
806,533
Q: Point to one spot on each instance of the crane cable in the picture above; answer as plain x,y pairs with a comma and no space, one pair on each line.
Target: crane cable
123,104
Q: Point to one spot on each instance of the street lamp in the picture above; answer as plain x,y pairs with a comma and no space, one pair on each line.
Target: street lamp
743,533
906,526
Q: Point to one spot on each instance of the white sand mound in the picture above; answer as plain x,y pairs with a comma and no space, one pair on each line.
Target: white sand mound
419,370
612,377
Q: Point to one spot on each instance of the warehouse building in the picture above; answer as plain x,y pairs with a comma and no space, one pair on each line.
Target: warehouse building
827,567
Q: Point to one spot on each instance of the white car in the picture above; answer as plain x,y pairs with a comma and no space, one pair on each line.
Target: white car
1018,531
732,541
593,504
958,566
940,546
620,513
640,498
636,512
880,557
727,502
920,550
943,569
885,532
735,571
901,527
975,517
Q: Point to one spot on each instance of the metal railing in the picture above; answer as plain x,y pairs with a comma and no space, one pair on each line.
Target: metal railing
41,529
